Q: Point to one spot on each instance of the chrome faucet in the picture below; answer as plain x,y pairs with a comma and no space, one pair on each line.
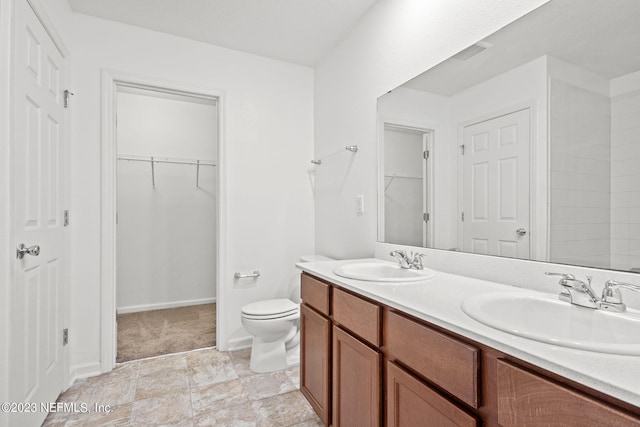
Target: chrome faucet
576,291
408,261
611,296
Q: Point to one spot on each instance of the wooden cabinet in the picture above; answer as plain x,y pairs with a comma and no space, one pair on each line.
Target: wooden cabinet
356,382
432,376
315,354
411,403
360,317
315,361
527,399
445,361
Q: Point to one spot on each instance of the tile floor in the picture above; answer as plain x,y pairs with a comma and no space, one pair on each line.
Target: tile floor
198,388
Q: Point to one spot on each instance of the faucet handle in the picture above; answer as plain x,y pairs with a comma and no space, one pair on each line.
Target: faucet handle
416,260
565,276
611,296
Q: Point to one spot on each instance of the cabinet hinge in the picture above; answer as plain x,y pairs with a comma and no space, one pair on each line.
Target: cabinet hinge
65,221
425,154
462,149
426,217
65,336
67,95
462,216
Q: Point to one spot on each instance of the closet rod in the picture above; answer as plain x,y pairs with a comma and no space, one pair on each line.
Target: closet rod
177,161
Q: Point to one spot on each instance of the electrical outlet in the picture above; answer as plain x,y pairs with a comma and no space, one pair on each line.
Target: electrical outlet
360,204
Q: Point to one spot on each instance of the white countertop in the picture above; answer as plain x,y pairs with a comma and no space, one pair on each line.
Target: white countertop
438,301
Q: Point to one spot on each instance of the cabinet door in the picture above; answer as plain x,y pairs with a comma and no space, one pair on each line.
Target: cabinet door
356,382
526,399
411,403
315,358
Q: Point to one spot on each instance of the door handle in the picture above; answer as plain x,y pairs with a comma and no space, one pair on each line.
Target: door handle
24,250
521,231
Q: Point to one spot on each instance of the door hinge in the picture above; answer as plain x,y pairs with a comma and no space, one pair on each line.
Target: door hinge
67,94
65,336
425,154
66,218
462,216
426,217
462,149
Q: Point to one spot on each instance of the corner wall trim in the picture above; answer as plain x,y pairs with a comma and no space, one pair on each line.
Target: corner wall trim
85,370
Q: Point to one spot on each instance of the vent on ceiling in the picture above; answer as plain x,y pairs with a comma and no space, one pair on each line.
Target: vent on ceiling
472,51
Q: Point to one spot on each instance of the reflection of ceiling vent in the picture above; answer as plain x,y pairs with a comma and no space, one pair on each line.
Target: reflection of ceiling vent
472,51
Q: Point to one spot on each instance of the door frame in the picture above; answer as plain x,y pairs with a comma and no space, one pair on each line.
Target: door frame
537,223
111,79
429,199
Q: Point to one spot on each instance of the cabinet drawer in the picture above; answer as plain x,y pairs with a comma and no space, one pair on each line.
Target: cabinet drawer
411,403
359,316
441,359
315,293
528,399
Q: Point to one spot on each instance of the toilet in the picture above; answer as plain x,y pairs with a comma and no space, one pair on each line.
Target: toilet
275,327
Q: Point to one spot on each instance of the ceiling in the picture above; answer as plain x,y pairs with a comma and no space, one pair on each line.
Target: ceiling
298,31
601,36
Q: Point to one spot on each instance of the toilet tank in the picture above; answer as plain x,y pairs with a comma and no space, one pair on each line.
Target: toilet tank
294,283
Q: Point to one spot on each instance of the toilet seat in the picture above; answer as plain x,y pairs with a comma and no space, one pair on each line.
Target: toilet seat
270,309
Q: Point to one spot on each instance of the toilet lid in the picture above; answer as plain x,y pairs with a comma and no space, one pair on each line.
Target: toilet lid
270,308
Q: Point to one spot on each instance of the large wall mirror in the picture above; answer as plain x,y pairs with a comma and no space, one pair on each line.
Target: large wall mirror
524,145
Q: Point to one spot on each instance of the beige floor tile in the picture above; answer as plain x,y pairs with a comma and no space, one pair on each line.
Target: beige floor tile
207,357
259,386
168,409
314,422
217,396
163,364
161,382
241,415
294,376
241,360
118,416
283,410
215,372
199,388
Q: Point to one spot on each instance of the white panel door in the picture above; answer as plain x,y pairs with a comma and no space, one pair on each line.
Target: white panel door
38,179
496,186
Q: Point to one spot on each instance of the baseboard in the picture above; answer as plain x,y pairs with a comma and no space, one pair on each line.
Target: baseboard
239,343
86,370
149,307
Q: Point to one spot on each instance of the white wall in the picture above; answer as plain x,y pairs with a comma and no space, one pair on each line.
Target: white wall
166,235
267,132
580,184
625,179
393,43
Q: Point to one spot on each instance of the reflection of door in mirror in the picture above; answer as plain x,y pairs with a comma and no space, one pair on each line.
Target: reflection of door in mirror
495,200
406,185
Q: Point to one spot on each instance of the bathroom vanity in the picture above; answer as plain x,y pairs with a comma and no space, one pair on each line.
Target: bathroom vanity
407,355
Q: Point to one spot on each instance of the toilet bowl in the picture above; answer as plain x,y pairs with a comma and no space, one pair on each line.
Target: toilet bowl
275,326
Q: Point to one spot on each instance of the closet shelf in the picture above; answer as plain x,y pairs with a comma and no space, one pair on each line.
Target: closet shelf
393,176
171,160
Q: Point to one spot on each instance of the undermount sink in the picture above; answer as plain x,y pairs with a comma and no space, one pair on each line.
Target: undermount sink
382,272
545,318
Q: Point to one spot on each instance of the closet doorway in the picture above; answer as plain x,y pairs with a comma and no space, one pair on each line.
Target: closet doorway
166,204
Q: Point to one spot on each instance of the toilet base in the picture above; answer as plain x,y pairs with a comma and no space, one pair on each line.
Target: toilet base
273,356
